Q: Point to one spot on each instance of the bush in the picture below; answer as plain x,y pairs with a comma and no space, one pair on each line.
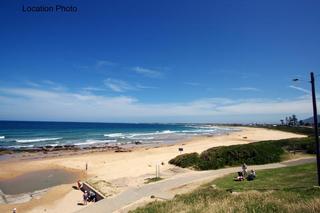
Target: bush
254,153
186,160
307,145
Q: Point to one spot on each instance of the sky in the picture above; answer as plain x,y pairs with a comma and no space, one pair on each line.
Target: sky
159,61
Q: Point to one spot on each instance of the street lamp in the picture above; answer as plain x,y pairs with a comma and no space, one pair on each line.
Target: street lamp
315,122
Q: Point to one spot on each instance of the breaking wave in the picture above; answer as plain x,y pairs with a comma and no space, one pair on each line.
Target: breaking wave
34,140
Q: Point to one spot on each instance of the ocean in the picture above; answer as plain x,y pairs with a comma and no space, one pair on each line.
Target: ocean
30,134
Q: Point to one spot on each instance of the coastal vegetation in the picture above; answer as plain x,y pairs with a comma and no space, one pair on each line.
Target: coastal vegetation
289,189
254,153
293,129
186,160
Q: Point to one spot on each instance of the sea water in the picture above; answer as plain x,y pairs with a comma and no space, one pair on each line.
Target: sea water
30,134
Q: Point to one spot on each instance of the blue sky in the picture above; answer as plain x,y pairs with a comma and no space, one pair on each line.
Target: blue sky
158,61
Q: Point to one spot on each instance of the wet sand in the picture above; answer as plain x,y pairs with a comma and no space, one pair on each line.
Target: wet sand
37,180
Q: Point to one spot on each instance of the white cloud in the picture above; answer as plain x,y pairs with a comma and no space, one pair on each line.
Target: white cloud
194,84
122,86
147,72
300,89
39,104
139,86
53,85
94,89
118,85
102,63
252,89
32,84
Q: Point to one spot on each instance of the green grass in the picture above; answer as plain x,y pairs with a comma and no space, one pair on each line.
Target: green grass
294,177
275,190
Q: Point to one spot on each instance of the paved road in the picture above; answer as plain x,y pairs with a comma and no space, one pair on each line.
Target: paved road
161,188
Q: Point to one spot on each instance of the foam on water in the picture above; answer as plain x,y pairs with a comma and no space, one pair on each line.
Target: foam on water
139,135
91,142
114,135
21,146
36,140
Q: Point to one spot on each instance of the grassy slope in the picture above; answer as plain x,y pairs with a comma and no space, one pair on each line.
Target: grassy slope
274,179
275,190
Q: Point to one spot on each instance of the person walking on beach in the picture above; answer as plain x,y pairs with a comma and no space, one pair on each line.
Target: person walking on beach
244,169
86,166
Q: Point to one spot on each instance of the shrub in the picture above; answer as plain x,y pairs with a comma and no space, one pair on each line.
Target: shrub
186,160
303,144
253,153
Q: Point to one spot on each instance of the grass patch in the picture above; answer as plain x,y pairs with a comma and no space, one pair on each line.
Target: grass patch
294,177
151,180
275,190
103,187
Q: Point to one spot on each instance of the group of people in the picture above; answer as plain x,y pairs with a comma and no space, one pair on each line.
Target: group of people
88,196
243,174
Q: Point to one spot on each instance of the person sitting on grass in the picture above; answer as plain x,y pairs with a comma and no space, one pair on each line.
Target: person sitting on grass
252,175
240,177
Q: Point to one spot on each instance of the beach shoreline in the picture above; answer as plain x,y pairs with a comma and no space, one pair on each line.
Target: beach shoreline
123,169
49,151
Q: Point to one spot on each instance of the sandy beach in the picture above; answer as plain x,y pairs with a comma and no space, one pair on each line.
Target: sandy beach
116,171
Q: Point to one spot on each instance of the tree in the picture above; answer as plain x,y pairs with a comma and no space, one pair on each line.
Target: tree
282,122
294,120
290,121
287,121
301,123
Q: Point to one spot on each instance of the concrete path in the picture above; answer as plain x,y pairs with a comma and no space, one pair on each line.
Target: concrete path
162,188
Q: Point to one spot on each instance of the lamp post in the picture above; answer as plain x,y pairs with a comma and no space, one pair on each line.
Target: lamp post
315,122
